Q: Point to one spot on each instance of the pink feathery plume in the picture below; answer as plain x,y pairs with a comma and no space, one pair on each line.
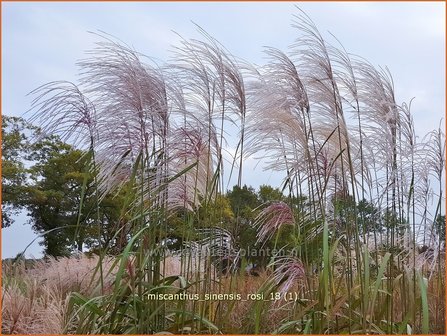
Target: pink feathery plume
188,146
271,219
61,108
288,271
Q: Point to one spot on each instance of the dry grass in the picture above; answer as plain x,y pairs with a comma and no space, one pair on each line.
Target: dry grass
189,267
35,297
241,317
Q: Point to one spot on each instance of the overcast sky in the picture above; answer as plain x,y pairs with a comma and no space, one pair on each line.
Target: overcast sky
43,41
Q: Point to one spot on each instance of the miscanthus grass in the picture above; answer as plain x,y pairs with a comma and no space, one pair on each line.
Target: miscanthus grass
359,184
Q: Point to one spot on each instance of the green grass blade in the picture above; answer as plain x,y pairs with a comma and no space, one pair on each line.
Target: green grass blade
425,318
378,281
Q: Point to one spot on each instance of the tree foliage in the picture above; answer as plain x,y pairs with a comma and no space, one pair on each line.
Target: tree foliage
54,197
48,178
15,150
440,227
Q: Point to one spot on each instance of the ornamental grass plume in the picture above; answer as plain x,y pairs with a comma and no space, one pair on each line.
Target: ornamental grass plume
288,271
270,220
62,108
189,146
